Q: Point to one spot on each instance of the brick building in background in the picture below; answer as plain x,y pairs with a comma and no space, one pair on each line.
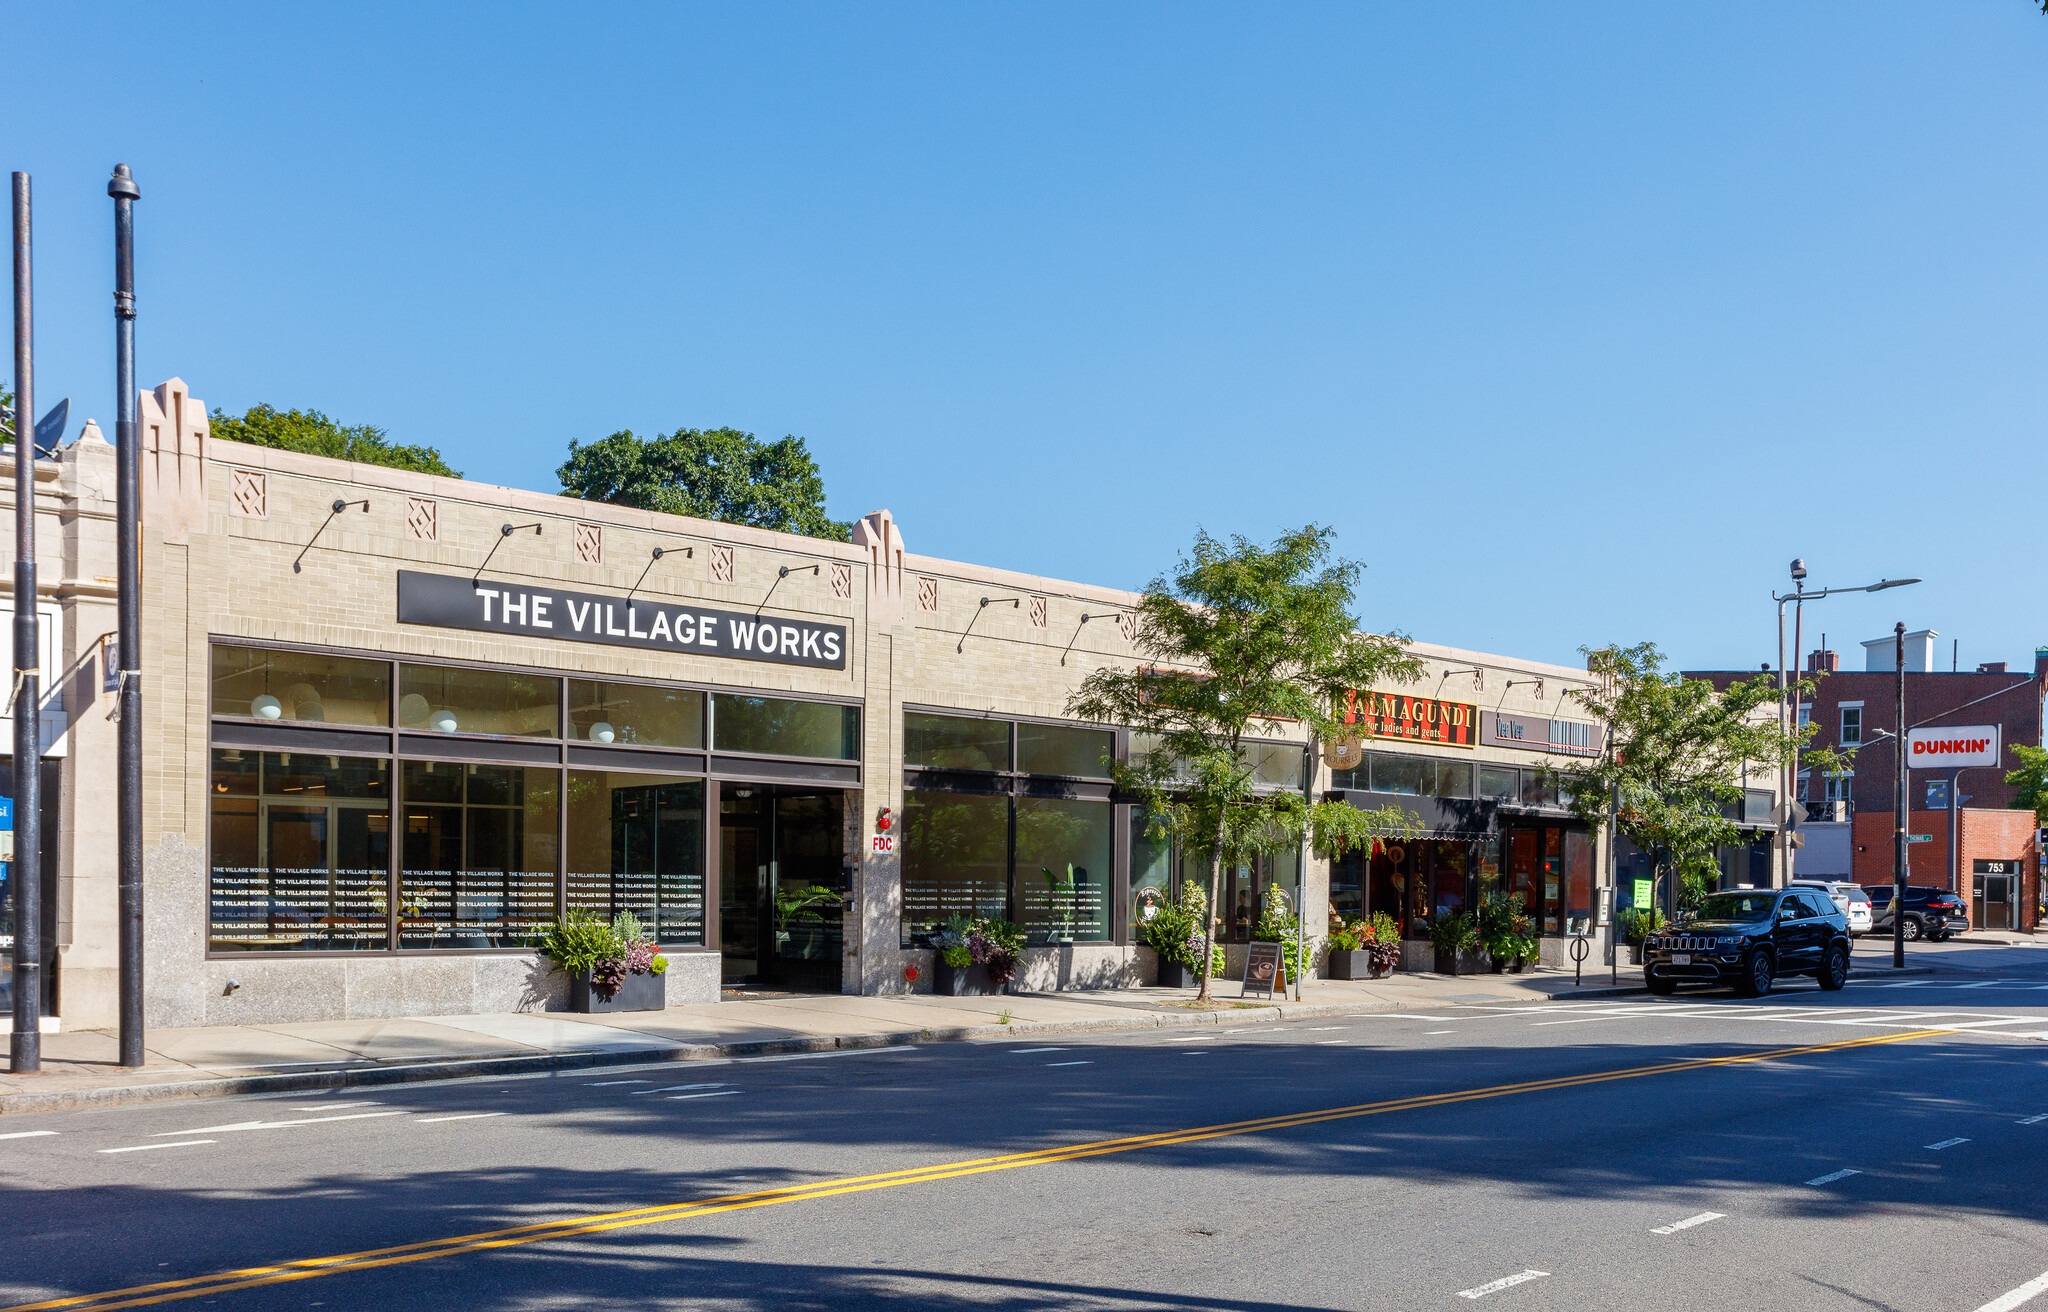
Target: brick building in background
1849,831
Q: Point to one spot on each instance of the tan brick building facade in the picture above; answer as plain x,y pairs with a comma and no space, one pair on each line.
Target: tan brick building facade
272,589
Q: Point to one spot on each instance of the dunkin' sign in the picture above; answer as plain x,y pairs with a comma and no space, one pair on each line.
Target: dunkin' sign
1952,749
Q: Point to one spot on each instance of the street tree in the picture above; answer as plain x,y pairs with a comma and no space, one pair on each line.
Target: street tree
2032,781
1238,645
720,473
315,434
1677,753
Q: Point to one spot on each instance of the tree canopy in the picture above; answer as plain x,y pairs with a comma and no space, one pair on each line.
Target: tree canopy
1678,750
1242,643
315,434
721,474
2032,781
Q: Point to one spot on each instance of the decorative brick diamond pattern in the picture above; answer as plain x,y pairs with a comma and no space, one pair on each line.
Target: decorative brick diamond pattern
590,544
1038,612
1127,624
423,519
842,581
251,494
722,570
927,592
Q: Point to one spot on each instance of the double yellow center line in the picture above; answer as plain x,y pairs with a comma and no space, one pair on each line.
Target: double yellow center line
168,1291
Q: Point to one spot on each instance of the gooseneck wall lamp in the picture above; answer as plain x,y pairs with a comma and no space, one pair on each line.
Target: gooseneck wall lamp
332,511
504,532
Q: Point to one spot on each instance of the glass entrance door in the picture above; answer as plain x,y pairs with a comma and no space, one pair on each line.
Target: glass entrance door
328,868
782,884
1994,902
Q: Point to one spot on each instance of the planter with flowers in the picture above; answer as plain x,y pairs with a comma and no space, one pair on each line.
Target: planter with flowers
976,957
1174,933
611,967
1366,948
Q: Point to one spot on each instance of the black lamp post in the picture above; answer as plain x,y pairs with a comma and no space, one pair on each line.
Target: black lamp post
128,641
26,1053
1899,806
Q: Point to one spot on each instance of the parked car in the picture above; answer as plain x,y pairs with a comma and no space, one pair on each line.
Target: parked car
1933,913
1854,902
1751,939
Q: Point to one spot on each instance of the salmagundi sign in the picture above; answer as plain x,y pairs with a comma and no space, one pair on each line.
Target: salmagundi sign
496,607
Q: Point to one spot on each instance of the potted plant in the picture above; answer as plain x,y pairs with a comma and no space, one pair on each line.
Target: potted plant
804,904
613,967
1174,933
955,975
997,946
1638,925
1451,935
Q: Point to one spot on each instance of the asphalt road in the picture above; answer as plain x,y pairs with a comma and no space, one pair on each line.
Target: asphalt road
1701,1152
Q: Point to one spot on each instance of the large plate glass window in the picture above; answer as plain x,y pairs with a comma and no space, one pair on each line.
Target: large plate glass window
635,714
445,699
479,855
300,687
955,742
1052,749
1063,859
956,859
777,726
301,852
636,843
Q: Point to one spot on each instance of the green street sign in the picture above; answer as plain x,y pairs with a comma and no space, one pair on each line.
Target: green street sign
1645,893
1919,838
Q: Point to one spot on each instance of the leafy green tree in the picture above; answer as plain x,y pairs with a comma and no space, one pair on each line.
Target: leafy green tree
6,412
1236,643
315,434
719,473
1677,752
2032,781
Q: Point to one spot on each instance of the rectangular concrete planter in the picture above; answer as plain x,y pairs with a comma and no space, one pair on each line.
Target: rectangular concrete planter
1175,975
962,981
637,993
1458,963
1354,965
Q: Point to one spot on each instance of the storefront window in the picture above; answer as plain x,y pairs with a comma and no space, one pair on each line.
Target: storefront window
956,859
1397,774
1578,876
1499,782
442,699
1151,860
301,850
1063,861
636,714
300,686
636,843
1537,791
1062,750
479,855
776,726
955,742
1276,763
1449,779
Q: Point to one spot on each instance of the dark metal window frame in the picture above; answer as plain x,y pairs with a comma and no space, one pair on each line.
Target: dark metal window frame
561,752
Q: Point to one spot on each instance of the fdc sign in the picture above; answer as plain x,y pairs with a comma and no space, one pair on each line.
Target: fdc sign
1952,749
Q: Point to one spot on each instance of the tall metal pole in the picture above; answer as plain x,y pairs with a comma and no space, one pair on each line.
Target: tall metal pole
26,1052
1899,805
1784,875
1955,815
128,625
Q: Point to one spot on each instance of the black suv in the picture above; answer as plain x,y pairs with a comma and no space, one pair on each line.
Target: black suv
1934,913
1749,939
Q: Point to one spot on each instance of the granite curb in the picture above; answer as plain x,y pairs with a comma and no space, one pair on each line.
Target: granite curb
538,1063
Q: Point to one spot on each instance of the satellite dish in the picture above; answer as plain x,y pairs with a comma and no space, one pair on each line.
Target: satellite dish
50,431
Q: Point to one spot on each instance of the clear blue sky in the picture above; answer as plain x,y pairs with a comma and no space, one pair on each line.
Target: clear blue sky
1578,321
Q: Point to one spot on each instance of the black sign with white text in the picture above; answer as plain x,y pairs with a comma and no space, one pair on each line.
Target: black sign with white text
490,606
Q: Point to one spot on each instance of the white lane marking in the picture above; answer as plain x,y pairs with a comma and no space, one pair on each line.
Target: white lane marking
1578,1021
1904,984
1321,1043
675,1088
2007,1302
719,1093
1398,1015
277,1125
1018,1052
1324,1029
1190,1038
1505,1282
1246,1030
1428,1033
606,1084
1833,1176
1195,1052
1688,1223
144,1147
337,1106
1947,1143
1987,984
2031,1120
466,1116
37,1134
1069,1063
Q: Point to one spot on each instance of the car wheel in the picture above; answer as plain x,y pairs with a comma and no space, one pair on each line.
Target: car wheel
1658,985
1913,929
1756,980
1940,936
1834,970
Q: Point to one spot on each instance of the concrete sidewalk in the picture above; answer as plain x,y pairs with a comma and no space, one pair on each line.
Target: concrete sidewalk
81,1069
